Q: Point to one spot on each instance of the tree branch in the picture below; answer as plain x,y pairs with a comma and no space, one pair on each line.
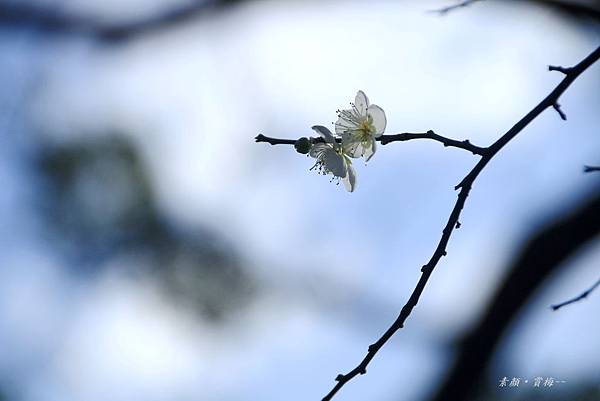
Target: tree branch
274,141
448,142
590,169
578,298
385,139
540,256
465,187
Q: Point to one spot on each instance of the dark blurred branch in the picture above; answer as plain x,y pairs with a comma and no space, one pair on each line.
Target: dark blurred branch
590,169
47,19
50,20
385,139
578,298
542,254
578,9
465,187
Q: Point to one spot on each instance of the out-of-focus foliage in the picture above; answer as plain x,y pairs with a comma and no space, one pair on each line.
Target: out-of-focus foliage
98,204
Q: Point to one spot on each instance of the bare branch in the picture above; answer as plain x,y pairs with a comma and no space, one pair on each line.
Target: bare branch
544,252
465,187
578,298
466,144
590,169
385,139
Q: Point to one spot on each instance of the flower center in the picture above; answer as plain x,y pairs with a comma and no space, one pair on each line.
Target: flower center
366,127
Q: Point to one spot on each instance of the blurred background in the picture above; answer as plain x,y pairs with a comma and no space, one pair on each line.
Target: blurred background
150,250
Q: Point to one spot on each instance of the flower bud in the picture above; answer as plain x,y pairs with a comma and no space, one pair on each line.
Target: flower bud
302,145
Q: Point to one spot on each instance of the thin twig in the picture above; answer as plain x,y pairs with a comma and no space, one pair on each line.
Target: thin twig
465,187
466,144
274,141
579,9
385,139
559,69
578,298
446,10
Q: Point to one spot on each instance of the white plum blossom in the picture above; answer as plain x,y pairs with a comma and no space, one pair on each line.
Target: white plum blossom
331,158
359,126
357,129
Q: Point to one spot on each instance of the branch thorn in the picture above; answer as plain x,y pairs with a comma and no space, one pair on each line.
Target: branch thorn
556,107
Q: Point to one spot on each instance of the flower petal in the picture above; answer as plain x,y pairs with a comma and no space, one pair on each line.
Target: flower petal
352,146
370,151
324,132
334,163
318,148
379,120
361,101
350,179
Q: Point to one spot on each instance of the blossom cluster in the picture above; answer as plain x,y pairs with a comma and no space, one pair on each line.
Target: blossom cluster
356,130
